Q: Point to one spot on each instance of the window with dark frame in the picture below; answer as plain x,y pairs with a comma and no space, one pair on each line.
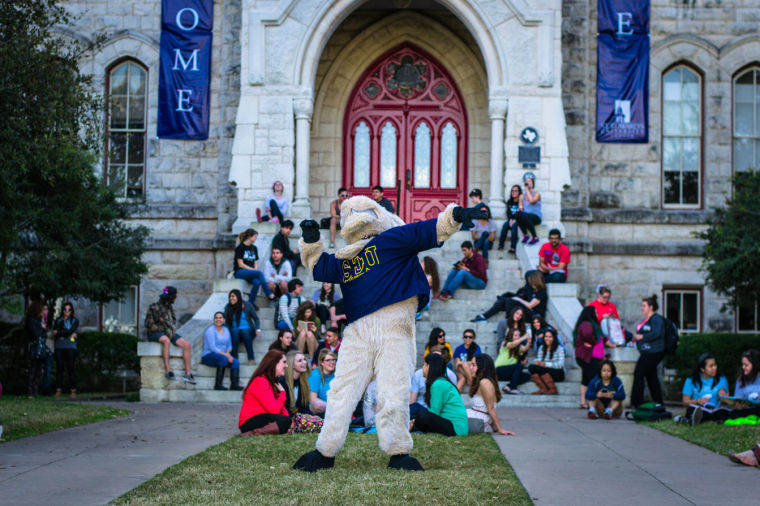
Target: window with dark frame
747,316
683,307
127,97
681,138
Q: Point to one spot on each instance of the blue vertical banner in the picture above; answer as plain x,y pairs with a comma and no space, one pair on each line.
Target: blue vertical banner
184,81
622,71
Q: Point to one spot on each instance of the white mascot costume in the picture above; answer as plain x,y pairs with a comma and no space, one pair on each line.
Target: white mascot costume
382,284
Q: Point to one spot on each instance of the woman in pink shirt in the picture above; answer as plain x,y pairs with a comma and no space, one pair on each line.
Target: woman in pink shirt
263,410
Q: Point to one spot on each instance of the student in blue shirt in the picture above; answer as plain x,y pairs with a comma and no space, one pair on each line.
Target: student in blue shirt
703,389
319,380
462,355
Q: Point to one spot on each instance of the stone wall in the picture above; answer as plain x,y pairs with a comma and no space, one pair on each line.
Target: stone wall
613,215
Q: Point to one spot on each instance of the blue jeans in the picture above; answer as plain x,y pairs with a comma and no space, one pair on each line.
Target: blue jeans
512,238
214,359
512,373
483,244
554,277
246,335
460,277
256,279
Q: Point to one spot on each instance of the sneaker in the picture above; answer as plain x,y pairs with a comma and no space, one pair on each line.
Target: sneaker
607,415
534,240
511,250
446,296
332,245
170,375
479,318
592,415
696,416
680,419
525,239
514,392
189,378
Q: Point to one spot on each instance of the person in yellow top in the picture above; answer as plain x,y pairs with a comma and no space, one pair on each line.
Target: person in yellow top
437,336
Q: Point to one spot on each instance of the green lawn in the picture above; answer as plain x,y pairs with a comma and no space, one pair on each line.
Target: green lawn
716,437
23,417
257,470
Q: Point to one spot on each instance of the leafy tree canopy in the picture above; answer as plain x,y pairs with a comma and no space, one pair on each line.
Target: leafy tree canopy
730,260
61,231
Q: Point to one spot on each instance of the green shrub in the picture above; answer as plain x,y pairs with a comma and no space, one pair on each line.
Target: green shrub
727,349
100,355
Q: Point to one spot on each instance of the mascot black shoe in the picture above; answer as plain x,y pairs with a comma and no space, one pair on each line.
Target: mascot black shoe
405,463
314,461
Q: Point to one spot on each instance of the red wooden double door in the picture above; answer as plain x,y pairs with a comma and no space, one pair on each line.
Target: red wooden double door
405,129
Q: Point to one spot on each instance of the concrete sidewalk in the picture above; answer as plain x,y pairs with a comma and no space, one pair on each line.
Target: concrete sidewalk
563,458
96,463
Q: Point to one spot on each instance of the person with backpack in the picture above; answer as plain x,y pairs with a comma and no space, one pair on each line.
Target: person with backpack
287,308
650,341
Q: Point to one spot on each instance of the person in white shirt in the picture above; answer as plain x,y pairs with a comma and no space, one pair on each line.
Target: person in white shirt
278,272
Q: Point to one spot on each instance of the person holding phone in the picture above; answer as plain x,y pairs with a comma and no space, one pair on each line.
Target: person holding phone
605,393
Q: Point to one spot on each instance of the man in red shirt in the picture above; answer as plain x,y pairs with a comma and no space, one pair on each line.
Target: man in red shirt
553,259
470,272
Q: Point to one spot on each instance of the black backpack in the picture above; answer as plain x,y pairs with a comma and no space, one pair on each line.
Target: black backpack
649,412
671,336
277,310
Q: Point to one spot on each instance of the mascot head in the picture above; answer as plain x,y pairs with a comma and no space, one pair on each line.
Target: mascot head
361,219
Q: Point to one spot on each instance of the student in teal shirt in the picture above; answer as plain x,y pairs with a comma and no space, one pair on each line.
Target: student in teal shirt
703,389
446,414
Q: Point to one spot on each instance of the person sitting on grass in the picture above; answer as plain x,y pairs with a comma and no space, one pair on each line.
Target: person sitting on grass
418,389
549,366
605,393
703,390
283,342
306,325
217,352
263,410
462,356
746,400
484,393
446,413
319,380
332,342
511,360
243,322
295,382
437,336
749,458
470,271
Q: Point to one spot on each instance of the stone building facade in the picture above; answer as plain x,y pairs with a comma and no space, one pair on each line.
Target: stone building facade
286,74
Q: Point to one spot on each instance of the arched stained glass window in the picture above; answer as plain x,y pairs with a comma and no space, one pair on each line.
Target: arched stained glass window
449,156
422,156
361,156
388,156
127,106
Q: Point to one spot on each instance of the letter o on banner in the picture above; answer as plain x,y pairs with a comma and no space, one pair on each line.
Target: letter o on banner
195,19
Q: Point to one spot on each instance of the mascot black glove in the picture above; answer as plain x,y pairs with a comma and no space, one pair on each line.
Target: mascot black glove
466,215
310,231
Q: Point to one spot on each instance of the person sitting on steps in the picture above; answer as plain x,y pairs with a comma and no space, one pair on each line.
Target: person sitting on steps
470,272
335,214
530,209
246,265
281,241
160,324
511,360
532,297
553,259
217,352
278,272
510,226
546,370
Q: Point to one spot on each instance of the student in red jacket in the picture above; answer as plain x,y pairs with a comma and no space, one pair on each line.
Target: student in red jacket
263,410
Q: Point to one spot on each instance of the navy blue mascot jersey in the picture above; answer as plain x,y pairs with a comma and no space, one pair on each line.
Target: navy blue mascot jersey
386,271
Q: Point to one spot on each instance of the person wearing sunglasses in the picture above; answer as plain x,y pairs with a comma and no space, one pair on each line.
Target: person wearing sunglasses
335,214
463,354
65,332
437,336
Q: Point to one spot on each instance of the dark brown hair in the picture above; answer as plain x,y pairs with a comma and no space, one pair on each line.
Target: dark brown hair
267,369
486,371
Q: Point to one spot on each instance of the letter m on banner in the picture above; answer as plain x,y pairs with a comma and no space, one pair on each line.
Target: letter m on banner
184,81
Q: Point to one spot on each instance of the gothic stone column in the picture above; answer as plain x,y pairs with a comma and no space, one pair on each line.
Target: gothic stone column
497,111
303,109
